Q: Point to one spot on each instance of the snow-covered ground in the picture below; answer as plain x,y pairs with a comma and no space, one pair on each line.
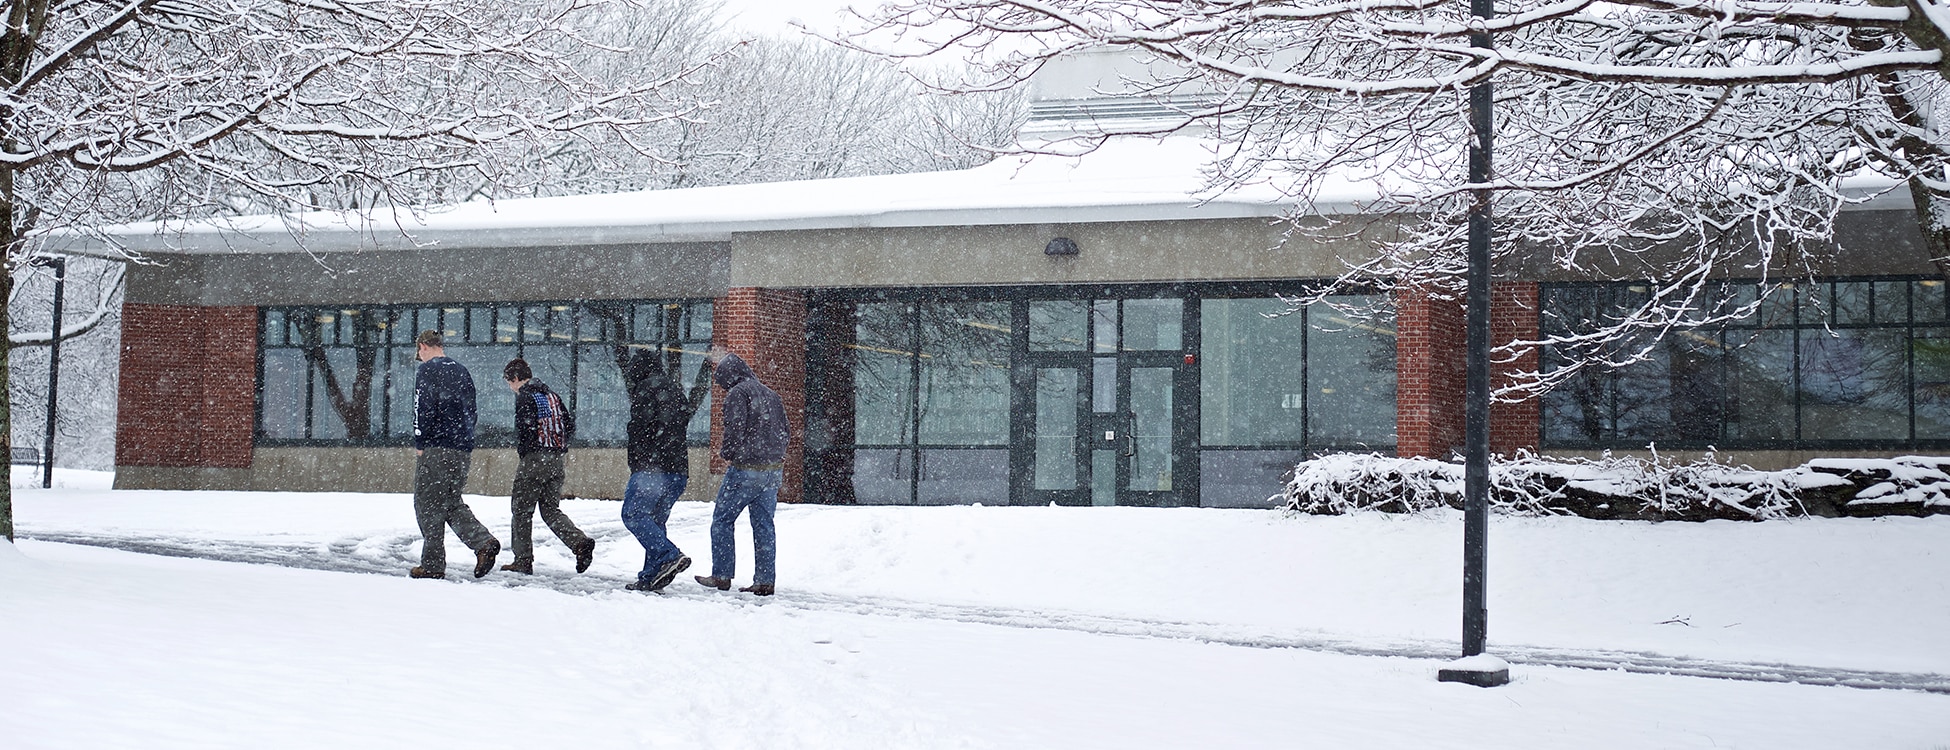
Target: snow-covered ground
961,627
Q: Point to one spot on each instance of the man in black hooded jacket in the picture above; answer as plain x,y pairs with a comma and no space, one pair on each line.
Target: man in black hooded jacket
660,462
755,438
543,429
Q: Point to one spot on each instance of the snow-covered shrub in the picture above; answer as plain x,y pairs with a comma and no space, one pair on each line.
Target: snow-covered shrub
1629,487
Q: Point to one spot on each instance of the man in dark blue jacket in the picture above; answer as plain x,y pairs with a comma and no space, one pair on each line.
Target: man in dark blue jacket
443,434
755,438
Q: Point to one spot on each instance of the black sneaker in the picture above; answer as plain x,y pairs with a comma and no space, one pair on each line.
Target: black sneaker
585,554
668,573
643,586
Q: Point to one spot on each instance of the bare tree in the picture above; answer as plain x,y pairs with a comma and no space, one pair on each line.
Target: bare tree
794,109
85,425
1662,140
177,109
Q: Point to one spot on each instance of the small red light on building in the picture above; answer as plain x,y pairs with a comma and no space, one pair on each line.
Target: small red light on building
1189,359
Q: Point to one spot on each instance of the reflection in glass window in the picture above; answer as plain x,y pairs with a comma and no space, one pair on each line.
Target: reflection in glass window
947,398
964,379
1058,325
346,374
1318,377
1350,393
1930,351
1760,370
283,395
963,476
1151,324
883,375
1837,362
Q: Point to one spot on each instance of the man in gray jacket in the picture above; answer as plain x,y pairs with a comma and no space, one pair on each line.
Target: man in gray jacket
755,437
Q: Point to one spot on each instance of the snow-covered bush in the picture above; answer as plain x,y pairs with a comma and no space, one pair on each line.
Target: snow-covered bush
1609,487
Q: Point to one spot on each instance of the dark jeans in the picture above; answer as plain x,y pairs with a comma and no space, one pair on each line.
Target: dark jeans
757,491
538,486
437,478
646,513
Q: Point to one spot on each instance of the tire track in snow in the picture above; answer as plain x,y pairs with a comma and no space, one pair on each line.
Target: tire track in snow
395,554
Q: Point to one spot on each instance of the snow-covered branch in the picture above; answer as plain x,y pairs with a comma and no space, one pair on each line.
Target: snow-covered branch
1673,143
106,303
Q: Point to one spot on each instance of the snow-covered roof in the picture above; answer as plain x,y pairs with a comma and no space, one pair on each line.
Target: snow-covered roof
1126,179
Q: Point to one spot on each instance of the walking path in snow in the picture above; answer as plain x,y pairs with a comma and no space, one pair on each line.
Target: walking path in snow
391,554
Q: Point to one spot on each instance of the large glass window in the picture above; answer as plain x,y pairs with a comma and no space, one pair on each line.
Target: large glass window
970,395
345,375
930,401
1830,363
1278,384
1275,377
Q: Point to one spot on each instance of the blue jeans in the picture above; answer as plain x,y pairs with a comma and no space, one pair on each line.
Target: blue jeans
646,510
743,489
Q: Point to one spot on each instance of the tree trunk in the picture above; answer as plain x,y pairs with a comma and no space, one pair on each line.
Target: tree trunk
25,19
6,348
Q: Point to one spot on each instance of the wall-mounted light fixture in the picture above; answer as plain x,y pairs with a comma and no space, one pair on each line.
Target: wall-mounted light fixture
1060,246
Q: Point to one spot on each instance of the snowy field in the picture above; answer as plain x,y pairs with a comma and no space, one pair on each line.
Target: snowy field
131,621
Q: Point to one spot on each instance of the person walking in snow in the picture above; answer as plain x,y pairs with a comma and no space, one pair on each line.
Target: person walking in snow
660,462
443,439
755,436
543,428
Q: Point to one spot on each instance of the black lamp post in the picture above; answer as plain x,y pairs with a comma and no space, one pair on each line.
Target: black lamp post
60,266
1487,672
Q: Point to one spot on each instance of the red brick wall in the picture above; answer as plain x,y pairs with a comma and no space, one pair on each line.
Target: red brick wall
1431,378
1428,375
767,329
1513,317
188,392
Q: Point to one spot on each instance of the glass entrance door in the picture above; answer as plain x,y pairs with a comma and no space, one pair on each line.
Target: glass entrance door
1102,406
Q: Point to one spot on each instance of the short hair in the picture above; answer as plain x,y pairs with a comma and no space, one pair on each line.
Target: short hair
517,369
428,337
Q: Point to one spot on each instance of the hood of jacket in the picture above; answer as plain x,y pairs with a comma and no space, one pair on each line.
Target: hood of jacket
644,364
732,371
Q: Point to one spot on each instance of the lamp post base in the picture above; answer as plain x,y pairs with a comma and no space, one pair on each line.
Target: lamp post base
1481,670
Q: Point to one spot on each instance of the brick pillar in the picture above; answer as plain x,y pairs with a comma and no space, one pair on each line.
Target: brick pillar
189,386
767,329
1429,374
1513,317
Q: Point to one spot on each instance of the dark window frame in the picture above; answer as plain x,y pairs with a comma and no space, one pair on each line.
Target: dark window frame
1190,293
394,340
1801,321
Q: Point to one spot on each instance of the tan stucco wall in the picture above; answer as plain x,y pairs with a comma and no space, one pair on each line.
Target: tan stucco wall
673,270
1209,249
591,472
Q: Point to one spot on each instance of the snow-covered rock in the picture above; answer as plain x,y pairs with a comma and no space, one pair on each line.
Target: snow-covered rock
1620,487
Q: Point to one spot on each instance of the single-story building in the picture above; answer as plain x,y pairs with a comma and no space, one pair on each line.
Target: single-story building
1096,329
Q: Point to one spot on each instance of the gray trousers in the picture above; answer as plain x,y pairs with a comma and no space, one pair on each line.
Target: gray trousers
538,486
437,479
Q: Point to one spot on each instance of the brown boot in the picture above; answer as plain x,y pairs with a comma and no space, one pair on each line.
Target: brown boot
758,589
484,557
524,567
419,572
721,584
